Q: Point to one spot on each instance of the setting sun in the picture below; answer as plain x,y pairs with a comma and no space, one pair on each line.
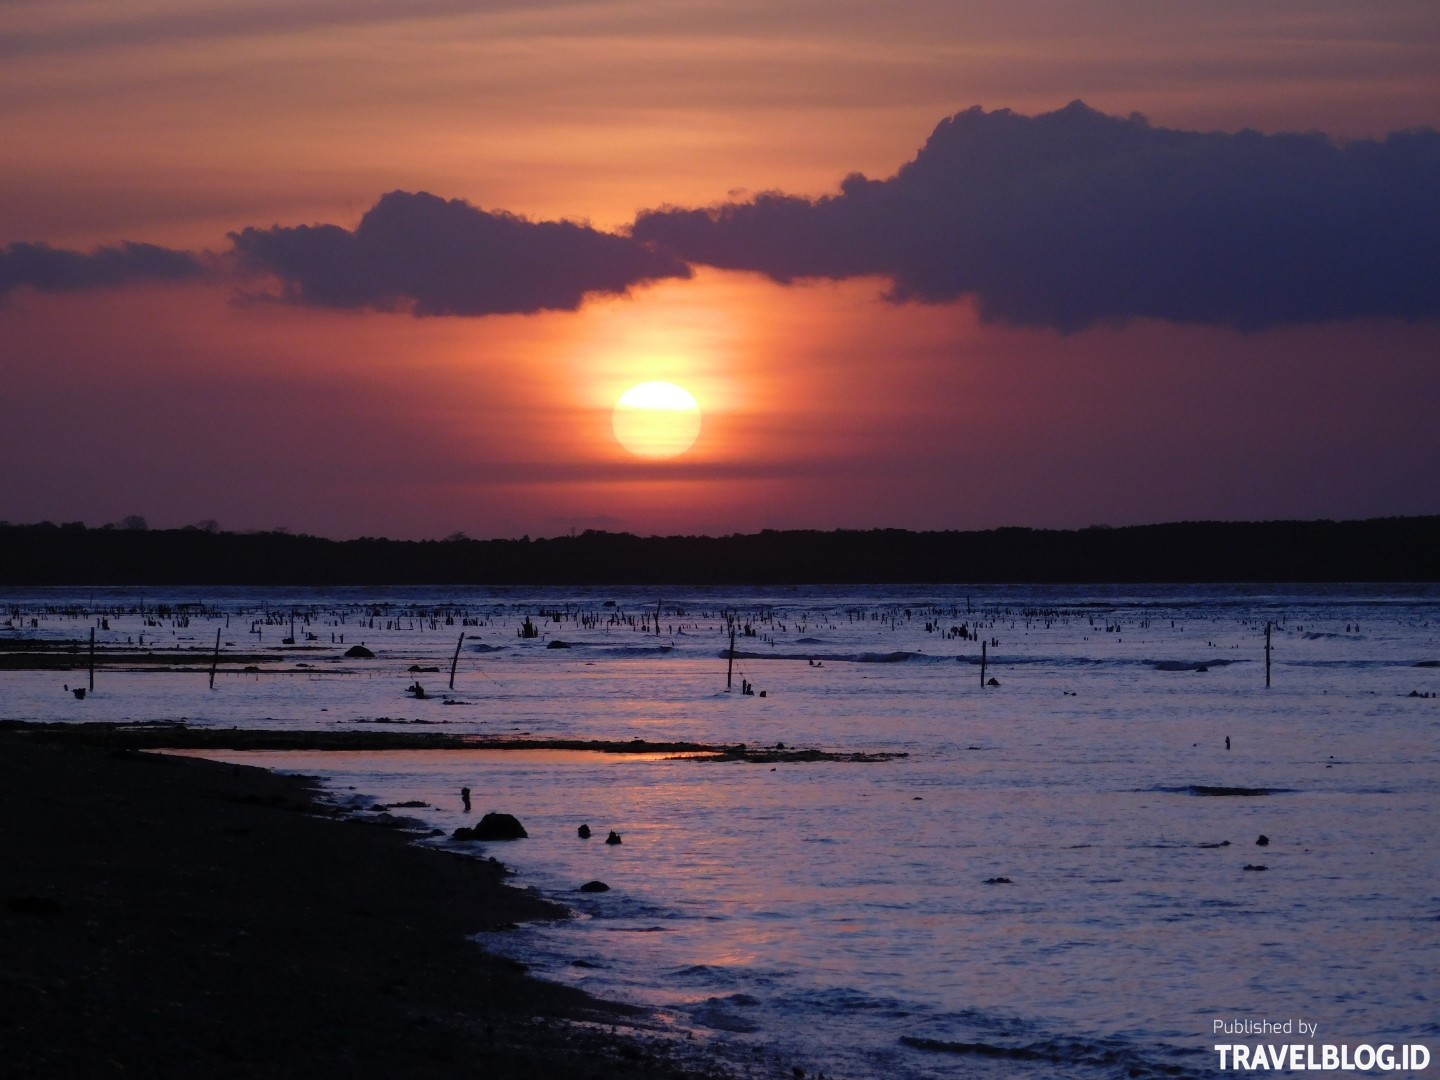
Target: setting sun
656,420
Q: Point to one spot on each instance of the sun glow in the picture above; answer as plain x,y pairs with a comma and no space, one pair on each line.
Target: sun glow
656,420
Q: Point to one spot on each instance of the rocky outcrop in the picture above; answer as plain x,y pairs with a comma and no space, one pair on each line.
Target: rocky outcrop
493,827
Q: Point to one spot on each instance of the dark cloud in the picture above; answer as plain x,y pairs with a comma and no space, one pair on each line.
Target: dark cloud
43,267
1073,218
418,252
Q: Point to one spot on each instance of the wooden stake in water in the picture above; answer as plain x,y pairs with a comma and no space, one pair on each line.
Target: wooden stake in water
1267,655
730,667
983,647
92,659
456,659
215,660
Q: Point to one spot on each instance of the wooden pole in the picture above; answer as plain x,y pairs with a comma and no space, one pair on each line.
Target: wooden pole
456,659
92,659
983,646
657,617
215,660
1267,656
730,667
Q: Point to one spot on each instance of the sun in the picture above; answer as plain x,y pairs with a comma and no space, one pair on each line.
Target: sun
656,420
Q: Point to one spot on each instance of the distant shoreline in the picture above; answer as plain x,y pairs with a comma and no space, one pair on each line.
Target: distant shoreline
1398,549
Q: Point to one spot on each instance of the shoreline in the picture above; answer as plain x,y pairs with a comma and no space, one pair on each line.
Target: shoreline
177,735
167,916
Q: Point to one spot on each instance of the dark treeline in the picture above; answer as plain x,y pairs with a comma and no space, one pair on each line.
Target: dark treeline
1382,549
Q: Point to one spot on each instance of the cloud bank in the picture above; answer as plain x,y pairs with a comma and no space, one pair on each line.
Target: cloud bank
1064,220
418,252
1074,218
56,269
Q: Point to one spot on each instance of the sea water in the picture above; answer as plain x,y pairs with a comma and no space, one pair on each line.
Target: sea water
1060,877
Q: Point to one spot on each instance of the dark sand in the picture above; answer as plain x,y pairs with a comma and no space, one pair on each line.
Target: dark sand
167,917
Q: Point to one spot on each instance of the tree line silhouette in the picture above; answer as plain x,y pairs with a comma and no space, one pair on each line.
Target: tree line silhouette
1379,549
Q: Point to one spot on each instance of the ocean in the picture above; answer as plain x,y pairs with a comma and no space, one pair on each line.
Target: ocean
1124,851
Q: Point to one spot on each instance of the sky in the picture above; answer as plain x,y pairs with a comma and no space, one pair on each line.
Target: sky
385,267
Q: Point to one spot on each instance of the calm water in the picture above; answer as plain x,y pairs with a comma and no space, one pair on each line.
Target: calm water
844,914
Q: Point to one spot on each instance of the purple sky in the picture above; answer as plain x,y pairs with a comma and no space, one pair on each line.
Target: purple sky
385,268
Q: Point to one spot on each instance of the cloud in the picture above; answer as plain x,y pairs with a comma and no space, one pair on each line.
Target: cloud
421,253
56,269
1074,218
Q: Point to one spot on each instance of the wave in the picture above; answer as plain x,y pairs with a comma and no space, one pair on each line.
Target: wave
901,656
1116,1056
719,1013
1214,790
613,651
1188,665
898,657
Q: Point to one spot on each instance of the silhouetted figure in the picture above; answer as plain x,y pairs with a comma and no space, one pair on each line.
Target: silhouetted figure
613,838
465,798
1227,742
416,689
583,832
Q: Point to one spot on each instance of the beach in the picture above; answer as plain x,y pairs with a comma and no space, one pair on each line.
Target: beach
168,917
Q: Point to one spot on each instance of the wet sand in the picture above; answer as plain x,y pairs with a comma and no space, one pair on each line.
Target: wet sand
169,917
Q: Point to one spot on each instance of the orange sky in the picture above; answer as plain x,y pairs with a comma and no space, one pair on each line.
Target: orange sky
825,404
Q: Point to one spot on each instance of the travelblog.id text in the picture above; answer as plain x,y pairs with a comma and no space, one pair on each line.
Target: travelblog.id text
1272,1055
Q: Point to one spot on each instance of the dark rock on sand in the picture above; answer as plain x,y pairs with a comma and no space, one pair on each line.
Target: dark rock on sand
33,905
359,652
500,827
1262,840
1252,866
558,644
594,886
998,881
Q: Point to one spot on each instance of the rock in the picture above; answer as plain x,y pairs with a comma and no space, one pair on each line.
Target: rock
499,827
359,652
613,838
583,832
1251,866
1262,841
993,681
33,905
558,644
594,886
998,881
79,693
